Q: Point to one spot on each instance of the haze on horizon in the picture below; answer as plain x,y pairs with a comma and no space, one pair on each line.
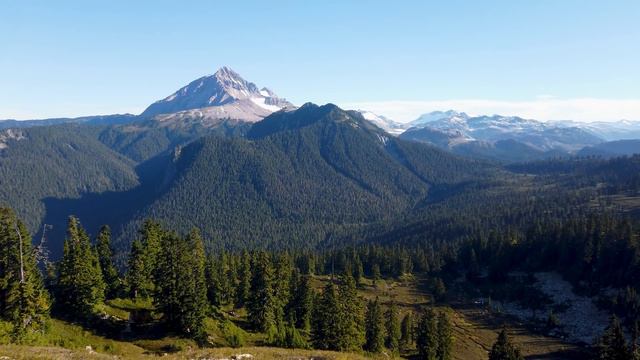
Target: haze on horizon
546,60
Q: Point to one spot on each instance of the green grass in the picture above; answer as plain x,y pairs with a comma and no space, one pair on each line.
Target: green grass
122,308
69,336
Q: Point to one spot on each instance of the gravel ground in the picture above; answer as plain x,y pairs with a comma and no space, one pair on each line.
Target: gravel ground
582,321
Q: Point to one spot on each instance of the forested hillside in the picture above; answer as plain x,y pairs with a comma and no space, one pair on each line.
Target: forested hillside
315,176
55,162
301,177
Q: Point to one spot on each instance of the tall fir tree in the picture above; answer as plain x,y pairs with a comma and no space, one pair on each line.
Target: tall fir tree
393,328
262,302
244,280
196,294
137,278
105,258
217,281
374,327
426,335
303,303
282,284
445,337
23,299
504,349
80,283
181,296
142,259
325,326
351,315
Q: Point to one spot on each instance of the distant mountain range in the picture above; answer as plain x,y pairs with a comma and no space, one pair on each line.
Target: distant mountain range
610,131
225,103
512,138
251,169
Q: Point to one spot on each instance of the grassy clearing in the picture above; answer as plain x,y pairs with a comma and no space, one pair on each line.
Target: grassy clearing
72,337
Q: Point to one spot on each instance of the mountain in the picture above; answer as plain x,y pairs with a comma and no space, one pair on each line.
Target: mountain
297,178
386,124
608,130
505,138
223,95
612,149
291,180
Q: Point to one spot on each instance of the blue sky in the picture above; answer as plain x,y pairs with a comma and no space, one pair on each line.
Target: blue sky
544,59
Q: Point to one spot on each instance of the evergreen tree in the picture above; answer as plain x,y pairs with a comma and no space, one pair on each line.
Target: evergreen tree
324,330
196,297
358,271
262,302
244,281
503,349
445,337
393,328
80,283
426,335
612,345
143,258
181,295
282,285
351,315
23,300
302,305
374,327
105,258
227,279
220,280
292,338
137,279
407,331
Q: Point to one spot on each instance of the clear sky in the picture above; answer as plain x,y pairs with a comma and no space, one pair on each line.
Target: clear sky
555,59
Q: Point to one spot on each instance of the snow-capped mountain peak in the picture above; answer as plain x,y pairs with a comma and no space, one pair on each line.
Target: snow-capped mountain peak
386,124
450,115
225,94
